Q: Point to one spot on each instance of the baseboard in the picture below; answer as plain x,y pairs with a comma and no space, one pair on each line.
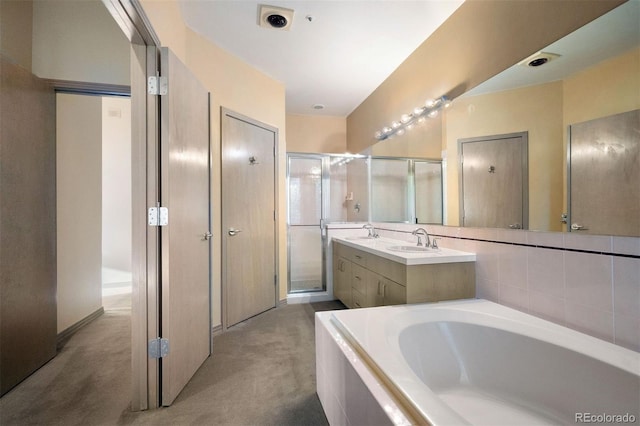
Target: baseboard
282,302
65,334
296,298
216,330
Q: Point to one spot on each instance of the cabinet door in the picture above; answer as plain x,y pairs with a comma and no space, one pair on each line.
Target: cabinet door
342,280
394,293
375,289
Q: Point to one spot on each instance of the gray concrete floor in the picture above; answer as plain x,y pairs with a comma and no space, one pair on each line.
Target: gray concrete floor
261,372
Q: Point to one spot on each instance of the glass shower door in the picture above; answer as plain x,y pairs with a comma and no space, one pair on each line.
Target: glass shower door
305,218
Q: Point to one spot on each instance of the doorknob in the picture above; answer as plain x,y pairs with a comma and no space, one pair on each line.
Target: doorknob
206,236
233,231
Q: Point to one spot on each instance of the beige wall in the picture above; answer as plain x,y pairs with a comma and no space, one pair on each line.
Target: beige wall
317,134
241,88
79,207
16,24
116,190
78,41
481,39
536,110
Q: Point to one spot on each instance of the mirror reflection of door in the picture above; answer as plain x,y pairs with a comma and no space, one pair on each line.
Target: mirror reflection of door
428,191
604,191
494,181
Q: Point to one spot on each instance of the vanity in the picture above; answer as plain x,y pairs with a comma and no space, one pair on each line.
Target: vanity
371,272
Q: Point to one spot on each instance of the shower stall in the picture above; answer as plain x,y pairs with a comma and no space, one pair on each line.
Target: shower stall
317,194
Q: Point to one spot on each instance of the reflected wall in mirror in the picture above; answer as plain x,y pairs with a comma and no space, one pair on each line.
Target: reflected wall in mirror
596,75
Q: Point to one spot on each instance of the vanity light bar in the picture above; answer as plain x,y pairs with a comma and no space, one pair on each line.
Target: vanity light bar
419,114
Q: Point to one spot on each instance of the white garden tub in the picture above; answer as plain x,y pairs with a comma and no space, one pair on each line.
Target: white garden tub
477,362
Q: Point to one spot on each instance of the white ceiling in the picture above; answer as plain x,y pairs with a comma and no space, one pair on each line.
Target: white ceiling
337,59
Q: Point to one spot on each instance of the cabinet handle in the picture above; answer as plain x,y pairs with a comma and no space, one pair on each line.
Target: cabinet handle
358,278
357,305
384,290
358,257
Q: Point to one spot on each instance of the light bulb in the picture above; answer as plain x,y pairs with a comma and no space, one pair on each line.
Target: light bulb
386,130
378,134
418,110
400,132
429,103
405,118
395,124
433,113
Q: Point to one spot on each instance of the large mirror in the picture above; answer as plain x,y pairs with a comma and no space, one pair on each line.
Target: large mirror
591,74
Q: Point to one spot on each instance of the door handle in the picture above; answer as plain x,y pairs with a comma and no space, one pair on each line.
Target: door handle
515,226
576,227
233,231
207,236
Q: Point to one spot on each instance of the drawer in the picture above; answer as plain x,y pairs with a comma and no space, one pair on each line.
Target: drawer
359,301
359,257
359,278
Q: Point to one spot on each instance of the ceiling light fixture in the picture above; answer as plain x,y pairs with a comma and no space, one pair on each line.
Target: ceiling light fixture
407,121
318,106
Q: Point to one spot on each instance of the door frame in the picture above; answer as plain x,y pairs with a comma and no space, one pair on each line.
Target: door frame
524,165
131,18
276,197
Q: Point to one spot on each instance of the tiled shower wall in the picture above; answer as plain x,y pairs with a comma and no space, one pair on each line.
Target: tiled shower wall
588,283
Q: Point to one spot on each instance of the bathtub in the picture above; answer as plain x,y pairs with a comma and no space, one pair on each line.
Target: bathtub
469,362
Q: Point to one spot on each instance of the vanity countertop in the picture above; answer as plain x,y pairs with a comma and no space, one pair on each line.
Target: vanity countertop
391,249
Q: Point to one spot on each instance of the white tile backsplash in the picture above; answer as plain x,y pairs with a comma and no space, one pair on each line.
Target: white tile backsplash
626,286
599,243
545,272
588,280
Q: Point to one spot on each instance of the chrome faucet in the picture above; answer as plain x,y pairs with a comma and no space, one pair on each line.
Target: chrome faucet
421,231
372,231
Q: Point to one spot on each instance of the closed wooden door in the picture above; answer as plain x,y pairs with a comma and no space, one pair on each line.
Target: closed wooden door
605,175
494,183
185,300
28,314
248,217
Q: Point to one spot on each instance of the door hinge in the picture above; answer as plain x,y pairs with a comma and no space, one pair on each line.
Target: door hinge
158,348
274,215
157,85
158,216
275,280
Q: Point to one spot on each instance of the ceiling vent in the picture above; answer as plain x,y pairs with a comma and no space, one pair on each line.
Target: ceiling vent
275,17
538,59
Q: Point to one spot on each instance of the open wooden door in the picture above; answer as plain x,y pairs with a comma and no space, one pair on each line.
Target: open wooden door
185,318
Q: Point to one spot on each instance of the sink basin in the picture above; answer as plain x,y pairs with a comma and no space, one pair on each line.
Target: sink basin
359,238
409,249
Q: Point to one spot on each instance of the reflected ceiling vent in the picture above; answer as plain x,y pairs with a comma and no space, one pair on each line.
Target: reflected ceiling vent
539,59
275,17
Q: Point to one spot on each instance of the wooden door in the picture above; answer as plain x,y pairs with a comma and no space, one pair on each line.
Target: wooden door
248,217
185,246
604,192
28,314
494,183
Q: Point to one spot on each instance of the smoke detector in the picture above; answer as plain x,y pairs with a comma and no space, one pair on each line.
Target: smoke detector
275,17
538,59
